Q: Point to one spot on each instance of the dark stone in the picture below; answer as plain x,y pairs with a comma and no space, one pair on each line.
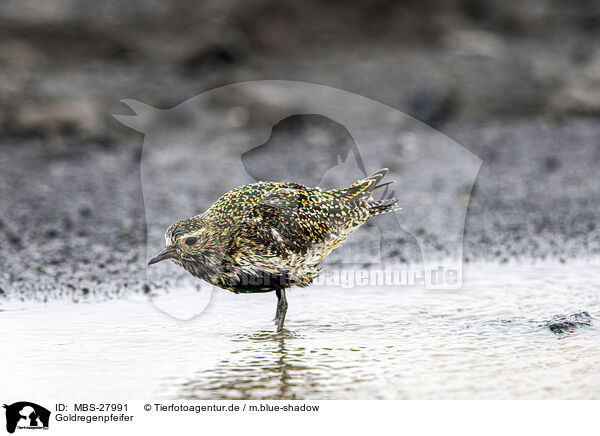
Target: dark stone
569,323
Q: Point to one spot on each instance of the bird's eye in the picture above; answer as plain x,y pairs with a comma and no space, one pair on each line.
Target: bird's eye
191,241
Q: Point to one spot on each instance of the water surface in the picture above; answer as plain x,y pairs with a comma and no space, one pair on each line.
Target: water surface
490,339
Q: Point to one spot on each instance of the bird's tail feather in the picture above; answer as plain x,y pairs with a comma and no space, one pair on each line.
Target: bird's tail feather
382,206
362,189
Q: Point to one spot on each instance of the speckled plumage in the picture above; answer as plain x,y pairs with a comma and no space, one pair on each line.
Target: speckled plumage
268,236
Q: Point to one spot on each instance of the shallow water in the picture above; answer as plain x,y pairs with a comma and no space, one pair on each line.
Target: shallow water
488,340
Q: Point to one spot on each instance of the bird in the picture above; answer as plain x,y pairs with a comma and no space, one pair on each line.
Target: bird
269,236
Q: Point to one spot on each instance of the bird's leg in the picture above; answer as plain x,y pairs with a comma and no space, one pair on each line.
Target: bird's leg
278,292
281,308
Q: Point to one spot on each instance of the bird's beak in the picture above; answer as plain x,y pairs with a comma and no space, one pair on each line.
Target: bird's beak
167,253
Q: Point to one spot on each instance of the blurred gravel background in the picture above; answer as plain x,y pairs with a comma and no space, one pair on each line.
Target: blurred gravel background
517,83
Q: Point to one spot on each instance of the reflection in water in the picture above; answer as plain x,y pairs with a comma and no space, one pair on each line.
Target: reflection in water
268,367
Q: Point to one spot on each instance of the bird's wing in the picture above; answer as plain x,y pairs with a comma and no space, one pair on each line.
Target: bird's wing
286,221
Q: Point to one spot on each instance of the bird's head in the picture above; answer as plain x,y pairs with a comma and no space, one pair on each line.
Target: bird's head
186,242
